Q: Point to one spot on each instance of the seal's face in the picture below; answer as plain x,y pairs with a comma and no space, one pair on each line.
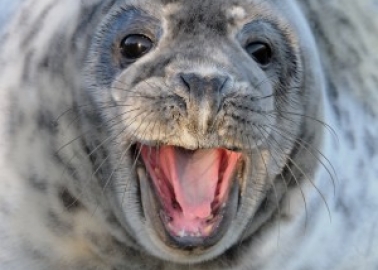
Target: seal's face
202,101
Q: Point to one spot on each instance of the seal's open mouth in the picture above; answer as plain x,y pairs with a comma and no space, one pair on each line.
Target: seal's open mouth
193,189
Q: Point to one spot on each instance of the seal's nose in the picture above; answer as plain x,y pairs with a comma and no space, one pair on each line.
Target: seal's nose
204,97
201,86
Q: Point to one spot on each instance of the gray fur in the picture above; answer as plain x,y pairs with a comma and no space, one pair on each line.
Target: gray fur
73,109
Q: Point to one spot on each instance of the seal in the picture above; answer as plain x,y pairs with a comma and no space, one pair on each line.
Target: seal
176,134
208,97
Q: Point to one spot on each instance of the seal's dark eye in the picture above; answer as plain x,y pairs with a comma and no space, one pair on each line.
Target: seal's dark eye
135,46
260,52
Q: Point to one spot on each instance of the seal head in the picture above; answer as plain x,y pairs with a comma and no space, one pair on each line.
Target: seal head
204,102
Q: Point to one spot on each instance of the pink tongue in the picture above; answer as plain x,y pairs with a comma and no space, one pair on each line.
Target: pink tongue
194,177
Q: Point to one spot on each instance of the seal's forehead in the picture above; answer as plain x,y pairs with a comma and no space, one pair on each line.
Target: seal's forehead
193,15
229,9
197,16
218,13
208,16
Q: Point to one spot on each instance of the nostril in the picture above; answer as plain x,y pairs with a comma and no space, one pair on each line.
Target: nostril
191,80
185,80
196,81
220,82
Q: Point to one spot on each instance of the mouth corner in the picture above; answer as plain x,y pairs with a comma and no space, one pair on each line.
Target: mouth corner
193,194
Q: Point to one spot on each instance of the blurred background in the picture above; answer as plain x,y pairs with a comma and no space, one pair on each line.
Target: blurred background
6,8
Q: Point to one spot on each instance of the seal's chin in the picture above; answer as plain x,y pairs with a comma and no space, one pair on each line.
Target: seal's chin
189,197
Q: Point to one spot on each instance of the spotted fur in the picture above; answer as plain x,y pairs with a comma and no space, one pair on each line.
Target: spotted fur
70,192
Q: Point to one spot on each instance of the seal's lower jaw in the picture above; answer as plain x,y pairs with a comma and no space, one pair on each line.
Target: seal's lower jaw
189,197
